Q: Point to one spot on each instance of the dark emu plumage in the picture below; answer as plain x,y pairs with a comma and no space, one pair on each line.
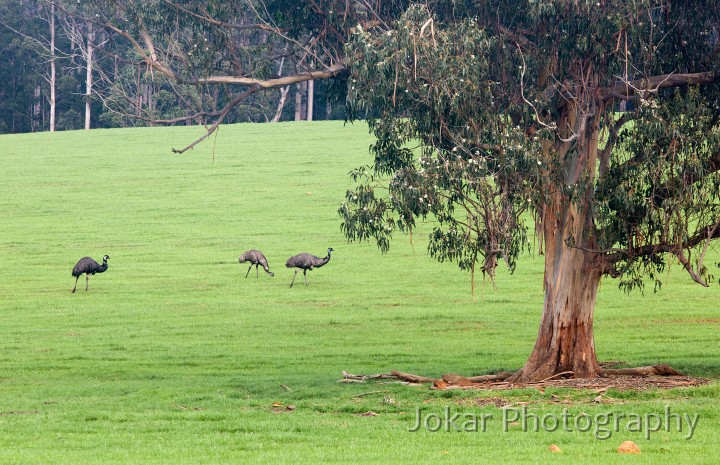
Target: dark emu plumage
305,262
88,266
255,257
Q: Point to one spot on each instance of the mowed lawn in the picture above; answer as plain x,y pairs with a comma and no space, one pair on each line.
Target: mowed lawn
173,356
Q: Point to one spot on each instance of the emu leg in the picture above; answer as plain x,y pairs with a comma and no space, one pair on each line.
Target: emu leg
257,273
76,280
248,272
293,280
87,281
305,275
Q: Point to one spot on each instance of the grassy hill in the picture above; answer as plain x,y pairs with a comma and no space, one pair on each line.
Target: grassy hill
172,356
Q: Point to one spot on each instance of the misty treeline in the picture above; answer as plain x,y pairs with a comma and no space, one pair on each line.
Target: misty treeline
62,68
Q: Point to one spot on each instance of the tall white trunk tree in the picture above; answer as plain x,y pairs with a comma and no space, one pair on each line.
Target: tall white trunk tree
89,54
53,68
86,39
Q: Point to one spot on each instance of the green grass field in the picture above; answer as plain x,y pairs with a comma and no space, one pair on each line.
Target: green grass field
174,357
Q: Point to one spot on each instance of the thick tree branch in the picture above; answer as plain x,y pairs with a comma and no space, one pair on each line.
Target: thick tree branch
283,81
150,57
645,87
706,233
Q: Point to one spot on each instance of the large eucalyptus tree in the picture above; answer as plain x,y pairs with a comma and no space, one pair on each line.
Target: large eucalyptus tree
599,119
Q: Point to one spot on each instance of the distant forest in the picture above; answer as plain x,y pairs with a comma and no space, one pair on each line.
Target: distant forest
61,70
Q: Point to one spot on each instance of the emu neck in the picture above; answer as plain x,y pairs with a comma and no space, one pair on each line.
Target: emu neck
324,260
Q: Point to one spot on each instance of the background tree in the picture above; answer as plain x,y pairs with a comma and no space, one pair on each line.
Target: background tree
29,65
86,39
490,113
41,88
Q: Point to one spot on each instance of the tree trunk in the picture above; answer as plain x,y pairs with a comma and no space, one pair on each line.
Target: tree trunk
37,108
89,72
281,104
565,342
310,100
53,97
300,101
283,95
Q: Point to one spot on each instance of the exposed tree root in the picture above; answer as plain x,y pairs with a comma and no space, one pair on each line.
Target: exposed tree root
655,376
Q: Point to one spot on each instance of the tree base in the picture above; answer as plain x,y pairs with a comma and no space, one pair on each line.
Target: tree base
655,376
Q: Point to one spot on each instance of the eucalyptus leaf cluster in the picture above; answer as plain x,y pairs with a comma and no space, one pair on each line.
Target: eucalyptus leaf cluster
451,144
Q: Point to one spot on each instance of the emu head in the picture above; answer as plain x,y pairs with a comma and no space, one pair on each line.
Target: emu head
105,258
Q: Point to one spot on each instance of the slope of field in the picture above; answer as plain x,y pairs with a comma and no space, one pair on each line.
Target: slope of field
173,356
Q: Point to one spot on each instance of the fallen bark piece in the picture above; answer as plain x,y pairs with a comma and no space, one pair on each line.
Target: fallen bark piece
440,384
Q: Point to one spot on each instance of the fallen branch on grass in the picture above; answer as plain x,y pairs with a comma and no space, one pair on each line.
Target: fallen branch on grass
654,370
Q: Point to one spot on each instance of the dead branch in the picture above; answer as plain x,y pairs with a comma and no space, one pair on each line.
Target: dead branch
330,72
499,376
410,378
552,126
234,102
350,376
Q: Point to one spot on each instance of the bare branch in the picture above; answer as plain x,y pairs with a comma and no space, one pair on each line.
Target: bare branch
223,113
688,267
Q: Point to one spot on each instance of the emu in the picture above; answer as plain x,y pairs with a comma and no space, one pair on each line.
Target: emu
305,262
255,257
88,266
